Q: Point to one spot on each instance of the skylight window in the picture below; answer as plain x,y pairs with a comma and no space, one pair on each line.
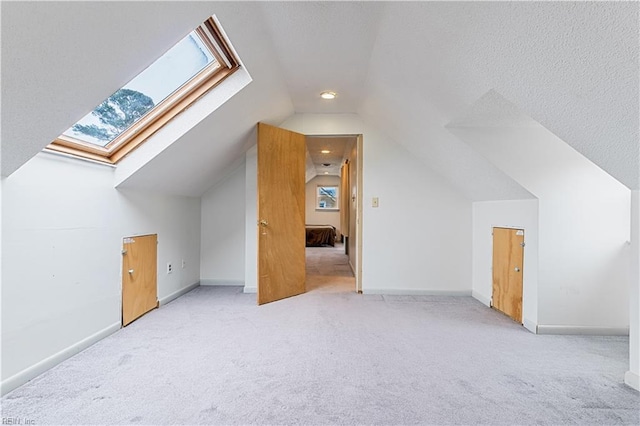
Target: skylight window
166,87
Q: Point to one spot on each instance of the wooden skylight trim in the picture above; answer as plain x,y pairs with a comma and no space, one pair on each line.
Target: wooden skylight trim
212,75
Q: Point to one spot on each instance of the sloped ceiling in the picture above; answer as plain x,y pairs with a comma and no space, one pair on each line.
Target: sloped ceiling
408,68
324,46
214,147
60,59
571,66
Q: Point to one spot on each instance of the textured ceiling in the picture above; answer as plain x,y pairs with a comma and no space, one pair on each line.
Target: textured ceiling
492,110
571,66
408,68
323,46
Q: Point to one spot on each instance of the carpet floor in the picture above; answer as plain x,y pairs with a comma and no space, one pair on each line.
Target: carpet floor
328,270
214,357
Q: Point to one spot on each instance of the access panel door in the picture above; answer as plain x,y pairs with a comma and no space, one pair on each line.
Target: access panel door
139,276
508,258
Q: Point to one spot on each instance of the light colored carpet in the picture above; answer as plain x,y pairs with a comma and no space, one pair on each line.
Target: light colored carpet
214,357
328,270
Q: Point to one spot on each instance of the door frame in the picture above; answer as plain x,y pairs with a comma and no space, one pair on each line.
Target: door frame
359,211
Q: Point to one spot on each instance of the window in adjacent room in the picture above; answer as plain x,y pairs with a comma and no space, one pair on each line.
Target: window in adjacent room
129,116
327,198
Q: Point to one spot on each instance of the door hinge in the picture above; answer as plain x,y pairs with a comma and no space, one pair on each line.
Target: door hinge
522,244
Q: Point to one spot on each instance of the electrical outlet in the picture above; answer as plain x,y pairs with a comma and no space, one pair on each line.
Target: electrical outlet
169,268
184,263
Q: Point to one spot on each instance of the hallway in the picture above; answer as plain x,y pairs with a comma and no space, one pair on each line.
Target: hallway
328,270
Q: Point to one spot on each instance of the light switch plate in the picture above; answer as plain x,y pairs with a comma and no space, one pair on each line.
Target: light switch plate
375,202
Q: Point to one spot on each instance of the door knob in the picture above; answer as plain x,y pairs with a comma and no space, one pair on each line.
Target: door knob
517,269
263,223
131,271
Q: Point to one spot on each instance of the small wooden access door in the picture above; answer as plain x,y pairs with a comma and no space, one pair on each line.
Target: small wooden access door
508,258
281,213
139,276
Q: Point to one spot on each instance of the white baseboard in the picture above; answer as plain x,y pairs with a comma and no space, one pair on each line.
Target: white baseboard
35,370
481,298
632,380
251,290
415,292
173,296
217,282
583,330
530,325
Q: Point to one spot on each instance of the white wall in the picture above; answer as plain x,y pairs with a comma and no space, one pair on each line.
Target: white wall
176,220
320,217
251,219
583,227
632,377
60,276
519,214
63,224
223,231
419,239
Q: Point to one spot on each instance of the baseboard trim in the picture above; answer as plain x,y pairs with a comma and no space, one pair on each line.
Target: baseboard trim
217,282
583,330
37,369
415,292
173,296
252,290
632,380
530,325
481,298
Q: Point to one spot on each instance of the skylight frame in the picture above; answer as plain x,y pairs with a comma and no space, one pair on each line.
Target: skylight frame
210,76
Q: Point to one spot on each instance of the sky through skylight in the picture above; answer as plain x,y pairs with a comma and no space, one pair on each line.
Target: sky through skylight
126,106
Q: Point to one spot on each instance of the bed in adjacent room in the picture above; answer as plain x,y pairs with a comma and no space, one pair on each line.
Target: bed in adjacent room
320,235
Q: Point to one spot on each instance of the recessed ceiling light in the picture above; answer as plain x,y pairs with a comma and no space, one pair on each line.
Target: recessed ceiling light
328,95
325,151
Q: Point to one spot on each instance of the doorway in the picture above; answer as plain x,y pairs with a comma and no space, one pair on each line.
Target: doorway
139,276
331,200
508,262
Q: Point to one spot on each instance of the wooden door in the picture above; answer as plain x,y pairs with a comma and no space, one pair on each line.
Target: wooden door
139,276
508,258
281,213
